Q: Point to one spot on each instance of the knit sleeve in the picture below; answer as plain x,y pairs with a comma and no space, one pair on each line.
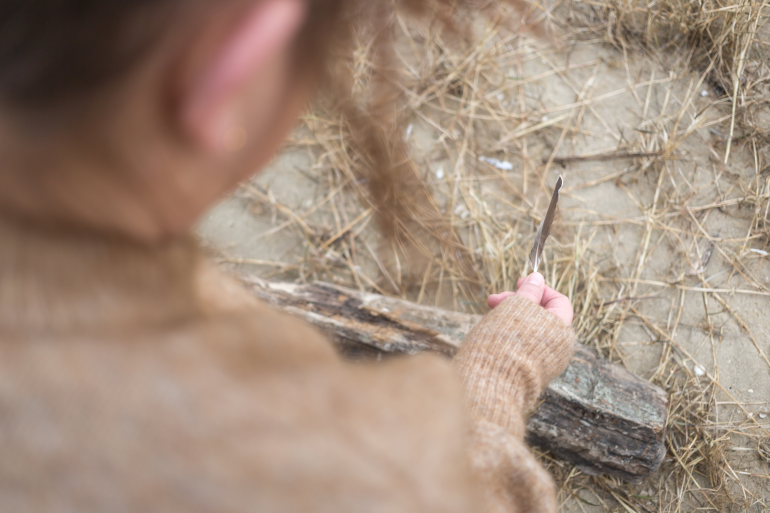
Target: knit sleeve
505,363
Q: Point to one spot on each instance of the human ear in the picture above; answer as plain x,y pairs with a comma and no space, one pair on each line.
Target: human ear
209,110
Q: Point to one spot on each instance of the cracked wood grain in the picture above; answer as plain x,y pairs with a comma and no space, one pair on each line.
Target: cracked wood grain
596,415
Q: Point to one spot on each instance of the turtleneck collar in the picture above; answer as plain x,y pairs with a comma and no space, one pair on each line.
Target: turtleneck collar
53,281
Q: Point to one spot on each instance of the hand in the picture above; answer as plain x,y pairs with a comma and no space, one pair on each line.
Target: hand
533,287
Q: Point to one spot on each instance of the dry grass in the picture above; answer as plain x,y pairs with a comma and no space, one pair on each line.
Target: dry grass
669,274
726,40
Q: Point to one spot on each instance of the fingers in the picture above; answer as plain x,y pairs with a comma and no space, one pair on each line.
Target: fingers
496,299
558,304
532,288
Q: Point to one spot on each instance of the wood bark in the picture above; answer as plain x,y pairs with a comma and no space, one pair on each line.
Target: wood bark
596,415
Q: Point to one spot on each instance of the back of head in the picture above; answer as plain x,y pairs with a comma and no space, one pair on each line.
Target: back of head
55,51
68,85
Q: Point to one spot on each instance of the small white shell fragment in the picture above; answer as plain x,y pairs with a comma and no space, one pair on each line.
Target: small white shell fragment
699,371
500,96
704,93
763,415
751,391
408,131
502,165
759,252
440,173
461,211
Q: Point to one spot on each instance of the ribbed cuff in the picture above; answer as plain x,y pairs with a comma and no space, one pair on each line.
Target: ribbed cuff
509,357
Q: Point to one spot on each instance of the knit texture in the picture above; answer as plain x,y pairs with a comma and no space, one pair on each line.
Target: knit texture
141,379
505,363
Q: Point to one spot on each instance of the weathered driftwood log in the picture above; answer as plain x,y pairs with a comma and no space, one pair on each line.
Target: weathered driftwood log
596,415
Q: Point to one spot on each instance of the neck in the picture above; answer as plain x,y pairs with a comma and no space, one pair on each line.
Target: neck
59,281
127,177
80,187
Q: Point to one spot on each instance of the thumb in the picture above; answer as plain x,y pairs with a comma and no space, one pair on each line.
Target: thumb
532,288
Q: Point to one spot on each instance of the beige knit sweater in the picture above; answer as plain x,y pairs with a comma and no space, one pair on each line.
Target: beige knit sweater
135,379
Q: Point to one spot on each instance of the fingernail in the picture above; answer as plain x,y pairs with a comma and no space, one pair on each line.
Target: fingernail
535,279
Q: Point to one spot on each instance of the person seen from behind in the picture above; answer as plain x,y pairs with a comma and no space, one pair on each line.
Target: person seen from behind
134,377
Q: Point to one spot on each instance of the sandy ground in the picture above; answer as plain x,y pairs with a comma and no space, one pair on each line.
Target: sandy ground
592,100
